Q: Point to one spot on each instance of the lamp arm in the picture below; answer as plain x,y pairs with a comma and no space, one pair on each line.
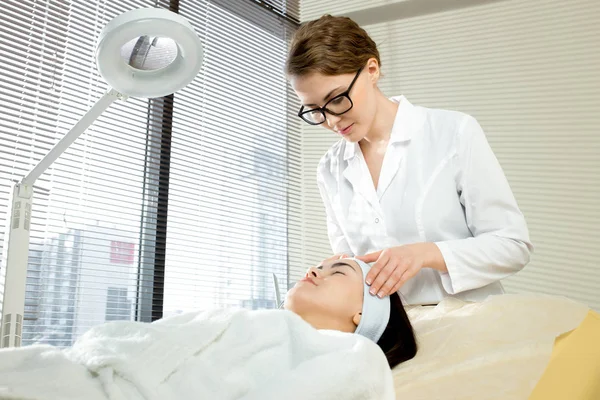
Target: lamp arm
63,144
13,274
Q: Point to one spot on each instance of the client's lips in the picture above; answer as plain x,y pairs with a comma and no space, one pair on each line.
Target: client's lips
307,279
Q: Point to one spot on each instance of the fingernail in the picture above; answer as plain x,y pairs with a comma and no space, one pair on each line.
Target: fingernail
380,294
368,282
372,292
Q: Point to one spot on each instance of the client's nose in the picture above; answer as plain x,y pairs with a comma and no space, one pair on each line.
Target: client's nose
313,272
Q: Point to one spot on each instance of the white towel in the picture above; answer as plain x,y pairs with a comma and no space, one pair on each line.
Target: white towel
220,354
44,372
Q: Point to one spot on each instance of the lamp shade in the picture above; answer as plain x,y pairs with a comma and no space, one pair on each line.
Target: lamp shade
148,52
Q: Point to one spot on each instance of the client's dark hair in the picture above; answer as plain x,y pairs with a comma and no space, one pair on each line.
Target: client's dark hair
398,340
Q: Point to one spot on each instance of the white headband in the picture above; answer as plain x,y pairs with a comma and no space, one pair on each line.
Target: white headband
375,311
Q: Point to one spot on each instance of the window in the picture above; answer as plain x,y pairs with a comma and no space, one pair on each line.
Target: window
95,192
229,178
122,252
164,205
118,306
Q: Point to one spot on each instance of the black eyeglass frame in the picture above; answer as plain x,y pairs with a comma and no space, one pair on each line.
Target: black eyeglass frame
324,109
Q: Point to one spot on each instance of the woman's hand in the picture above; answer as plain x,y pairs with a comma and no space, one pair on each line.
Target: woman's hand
396,265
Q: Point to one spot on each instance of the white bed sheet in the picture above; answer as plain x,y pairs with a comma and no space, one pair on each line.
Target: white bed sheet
496,349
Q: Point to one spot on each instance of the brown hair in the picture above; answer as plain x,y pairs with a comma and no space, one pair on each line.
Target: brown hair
331,46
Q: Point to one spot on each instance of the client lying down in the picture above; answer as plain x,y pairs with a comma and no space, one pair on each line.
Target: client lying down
322,346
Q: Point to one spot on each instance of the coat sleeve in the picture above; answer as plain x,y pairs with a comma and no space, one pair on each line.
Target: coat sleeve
500,245
337,239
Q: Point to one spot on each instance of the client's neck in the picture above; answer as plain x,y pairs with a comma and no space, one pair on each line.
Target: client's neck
320,321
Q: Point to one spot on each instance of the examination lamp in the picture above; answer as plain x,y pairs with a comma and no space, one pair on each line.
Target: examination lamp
143,53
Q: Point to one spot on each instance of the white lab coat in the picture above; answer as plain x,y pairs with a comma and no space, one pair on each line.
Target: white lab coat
440,182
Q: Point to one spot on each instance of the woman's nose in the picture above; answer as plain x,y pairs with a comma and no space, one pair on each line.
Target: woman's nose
332,120
313,272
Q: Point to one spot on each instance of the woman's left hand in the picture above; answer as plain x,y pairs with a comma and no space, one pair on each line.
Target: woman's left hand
396,265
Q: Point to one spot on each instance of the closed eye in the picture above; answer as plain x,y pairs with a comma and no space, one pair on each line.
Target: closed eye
339,272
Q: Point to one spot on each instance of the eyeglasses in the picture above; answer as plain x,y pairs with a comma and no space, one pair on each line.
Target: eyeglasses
339,105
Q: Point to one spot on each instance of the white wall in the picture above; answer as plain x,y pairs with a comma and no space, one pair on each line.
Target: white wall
529,71
312,9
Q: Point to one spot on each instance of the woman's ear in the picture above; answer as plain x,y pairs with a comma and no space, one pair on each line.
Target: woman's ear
356,318
373,70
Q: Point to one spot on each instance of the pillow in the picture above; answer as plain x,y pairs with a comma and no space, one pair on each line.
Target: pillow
574,369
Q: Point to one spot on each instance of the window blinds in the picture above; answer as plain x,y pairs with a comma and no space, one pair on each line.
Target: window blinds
178,201
235,145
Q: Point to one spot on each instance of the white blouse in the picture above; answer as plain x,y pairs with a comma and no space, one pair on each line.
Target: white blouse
440,182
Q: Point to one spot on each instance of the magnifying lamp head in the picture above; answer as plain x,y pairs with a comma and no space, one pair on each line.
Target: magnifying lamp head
148,52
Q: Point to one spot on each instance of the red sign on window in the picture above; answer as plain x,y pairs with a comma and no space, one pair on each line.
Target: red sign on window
121,252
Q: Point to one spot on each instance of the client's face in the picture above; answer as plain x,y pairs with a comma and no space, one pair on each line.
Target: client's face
330,296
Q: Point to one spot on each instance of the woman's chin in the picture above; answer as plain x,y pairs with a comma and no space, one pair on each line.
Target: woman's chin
353,137
297,300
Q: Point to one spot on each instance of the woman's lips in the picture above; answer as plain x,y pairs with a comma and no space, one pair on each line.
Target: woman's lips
346,130
307,279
